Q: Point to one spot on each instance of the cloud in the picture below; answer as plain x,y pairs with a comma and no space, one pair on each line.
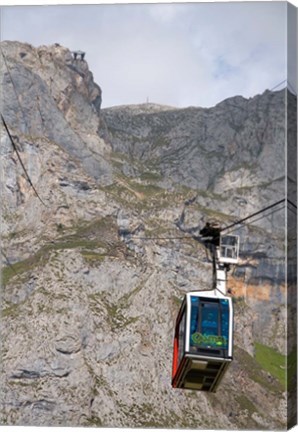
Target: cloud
175,54
166,13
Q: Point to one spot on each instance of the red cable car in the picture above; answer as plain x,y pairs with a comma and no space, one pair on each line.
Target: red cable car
203,342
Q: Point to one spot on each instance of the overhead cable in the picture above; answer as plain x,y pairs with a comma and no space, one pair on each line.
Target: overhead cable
20,160
291,202
163,238
221,230
259,218
14,87
252,215
292,210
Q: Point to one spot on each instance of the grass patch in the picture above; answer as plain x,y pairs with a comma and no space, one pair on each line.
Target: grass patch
94,421
93,258
125,299
214,214
10,311
271,361
84,237
73,243
150,176
160,142
239,301
246,404
152,196
256,372
25,266
41,258
146,189
96,228
116,318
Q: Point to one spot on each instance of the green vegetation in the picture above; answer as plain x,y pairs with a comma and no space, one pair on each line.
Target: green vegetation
214,214
146,189
246,404
125,299
115,311
10,310
115,316
161,141
25,266
150,176
272,362
94,421
144,194
136,195
239,301
244,190
40,258
97,234
256,372
93,258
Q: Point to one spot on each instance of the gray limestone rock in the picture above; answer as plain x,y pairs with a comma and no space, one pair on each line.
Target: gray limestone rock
95,277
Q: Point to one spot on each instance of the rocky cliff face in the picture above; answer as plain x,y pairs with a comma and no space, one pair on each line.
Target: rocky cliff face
88,304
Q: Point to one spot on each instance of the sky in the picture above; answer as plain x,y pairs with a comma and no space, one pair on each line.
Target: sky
188,54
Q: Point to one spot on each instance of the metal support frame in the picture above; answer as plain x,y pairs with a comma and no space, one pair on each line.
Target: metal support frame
219,271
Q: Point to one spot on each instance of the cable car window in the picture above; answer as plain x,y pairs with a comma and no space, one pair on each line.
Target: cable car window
209,323
194,316
224,323
229,247
210,319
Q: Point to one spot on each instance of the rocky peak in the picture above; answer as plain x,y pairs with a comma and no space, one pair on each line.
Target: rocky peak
49,94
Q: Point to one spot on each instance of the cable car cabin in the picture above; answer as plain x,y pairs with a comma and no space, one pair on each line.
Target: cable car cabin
203,341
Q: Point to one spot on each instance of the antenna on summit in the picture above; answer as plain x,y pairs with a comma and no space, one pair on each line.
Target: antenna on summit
77,54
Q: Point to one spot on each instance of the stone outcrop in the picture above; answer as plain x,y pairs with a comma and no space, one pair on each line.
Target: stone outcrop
61,93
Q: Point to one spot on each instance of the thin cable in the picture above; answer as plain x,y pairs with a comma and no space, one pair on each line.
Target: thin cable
288,86
256,220
252,215
277,85
17,95
20,160
15,90
223,229
162,238
291,87
293,204
292,210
